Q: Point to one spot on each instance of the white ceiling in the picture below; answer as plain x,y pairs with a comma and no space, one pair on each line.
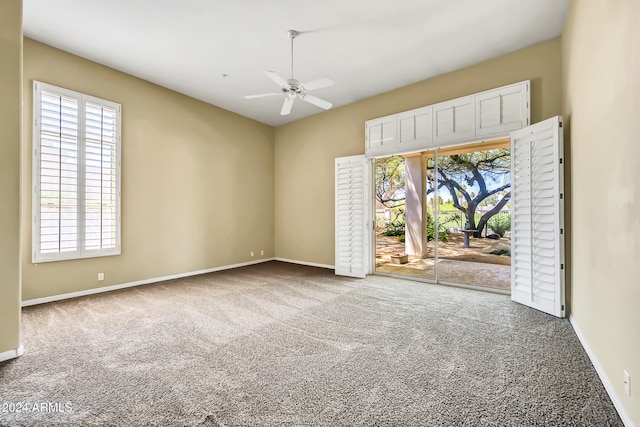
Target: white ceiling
366,47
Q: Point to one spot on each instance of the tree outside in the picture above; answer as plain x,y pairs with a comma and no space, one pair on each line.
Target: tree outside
390,190
467,183
472,180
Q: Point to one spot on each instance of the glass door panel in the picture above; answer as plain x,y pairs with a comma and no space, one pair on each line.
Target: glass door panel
473,219
390,205
399,239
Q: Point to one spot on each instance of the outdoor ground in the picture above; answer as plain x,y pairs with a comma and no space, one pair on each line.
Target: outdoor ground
473,265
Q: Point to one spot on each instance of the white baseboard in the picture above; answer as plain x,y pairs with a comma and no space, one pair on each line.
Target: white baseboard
608,386
310,264
12,354
136,283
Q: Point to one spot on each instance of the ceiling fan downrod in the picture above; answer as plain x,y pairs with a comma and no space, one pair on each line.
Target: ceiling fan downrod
292,35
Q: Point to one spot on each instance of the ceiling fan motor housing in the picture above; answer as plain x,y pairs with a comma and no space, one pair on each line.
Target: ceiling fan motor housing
292,85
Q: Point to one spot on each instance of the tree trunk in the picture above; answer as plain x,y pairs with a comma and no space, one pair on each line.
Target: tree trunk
485,218
470,214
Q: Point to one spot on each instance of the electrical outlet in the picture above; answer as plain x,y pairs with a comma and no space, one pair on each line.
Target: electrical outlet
262,252
100,277
252,254
627,383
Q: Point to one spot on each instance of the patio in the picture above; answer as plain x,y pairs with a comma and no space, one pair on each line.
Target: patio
473,265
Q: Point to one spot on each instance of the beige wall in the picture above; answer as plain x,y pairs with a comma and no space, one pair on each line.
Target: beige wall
11,113
197,181
601,85
306,149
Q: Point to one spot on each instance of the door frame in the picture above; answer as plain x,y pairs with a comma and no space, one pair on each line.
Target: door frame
371,214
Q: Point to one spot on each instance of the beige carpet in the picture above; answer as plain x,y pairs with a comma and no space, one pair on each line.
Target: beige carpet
283,345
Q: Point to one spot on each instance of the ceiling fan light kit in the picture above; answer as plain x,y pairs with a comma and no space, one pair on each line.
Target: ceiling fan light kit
293,89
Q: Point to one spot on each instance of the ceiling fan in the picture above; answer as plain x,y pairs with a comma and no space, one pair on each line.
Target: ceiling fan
293,89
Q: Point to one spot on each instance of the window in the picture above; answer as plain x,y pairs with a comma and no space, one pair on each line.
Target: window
76,175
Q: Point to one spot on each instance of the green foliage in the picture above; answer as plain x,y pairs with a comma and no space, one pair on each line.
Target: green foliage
451,220
506,250
500,223
395,228
443,233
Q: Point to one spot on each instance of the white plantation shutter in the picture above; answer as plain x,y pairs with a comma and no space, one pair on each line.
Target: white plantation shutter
57,204
101,160
76,175
537,217
351,213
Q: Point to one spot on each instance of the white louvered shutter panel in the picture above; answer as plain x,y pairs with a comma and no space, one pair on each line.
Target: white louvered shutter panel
101,168
351,213
537,217
57,210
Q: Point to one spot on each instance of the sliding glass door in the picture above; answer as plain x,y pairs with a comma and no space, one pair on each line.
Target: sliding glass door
443,215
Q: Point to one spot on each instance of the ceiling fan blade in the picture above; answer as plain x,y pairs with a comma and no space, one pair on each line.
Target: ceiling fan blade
318,84
262,95
316,101
286,107
276,78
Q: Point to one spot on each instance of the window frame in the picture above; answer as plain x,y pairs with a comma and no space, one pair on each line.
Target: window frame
80,252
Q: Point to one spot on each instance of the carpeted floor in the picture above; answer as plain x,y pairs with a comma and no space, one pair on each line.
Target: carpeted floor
283,345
